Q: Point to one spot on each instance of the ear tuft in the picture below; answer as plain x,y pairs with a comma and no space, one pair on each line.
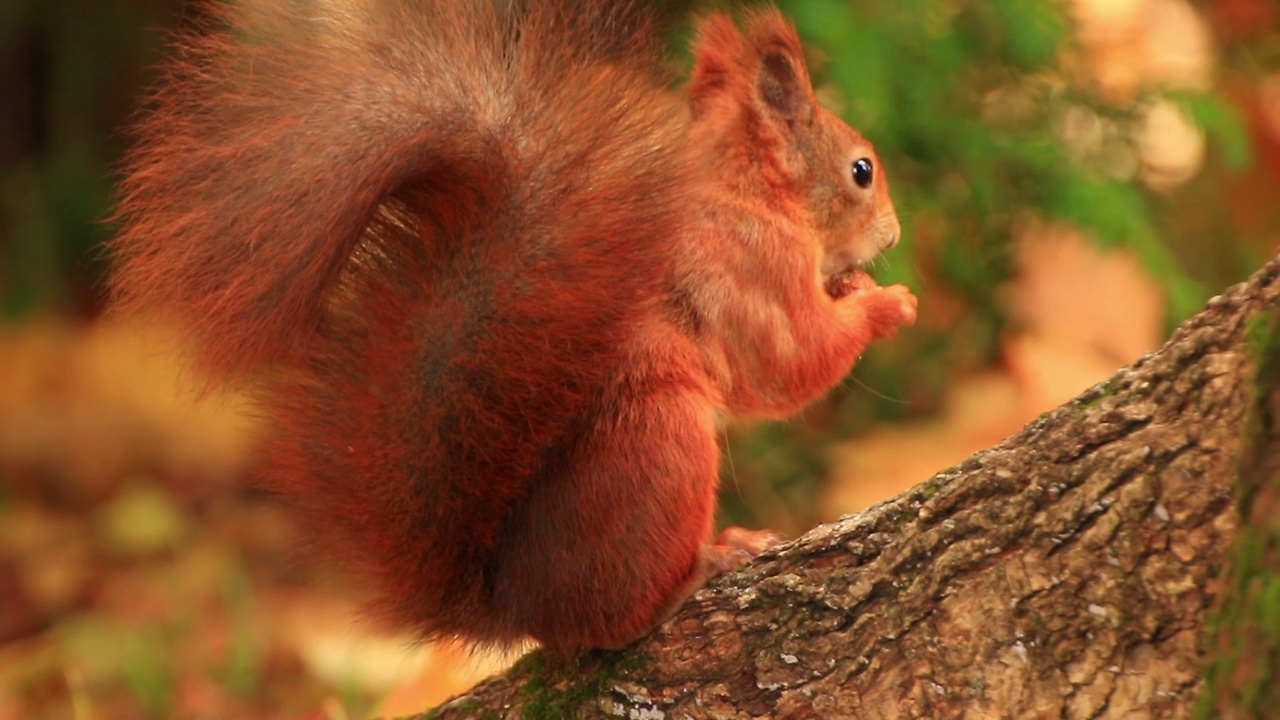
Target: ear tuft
717,53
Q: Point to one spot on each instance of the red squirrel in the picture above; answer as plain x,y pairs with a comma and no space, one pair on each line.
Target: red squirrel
498,287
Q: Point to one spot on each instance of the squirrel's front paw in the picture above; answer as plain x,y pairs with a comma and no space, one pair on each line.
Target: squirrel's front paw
899,303
857,286
883,310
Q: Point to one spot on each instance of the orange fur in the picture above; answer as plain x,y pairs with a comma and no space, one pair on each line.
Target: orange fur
499,288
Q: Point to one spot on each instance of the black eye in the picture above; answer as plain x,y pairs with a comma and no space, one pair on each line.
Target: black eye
863,172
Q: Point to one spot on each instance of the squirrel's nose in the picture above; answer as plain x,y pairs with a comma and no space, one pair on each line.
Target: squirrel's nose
892,232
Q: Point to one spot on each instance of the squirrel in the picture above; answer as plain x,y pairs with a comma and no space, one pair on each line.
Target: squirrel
498,285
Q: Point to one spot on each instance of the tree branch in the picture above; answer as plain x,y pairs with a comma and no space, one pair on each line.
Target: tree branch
1066,572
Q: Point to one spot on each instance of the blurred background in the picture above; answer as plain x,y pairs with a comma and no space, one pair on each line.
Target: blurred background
1074,179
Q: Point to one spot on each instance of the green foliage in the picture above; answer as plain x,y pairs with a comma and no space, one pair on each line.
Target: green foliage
1033,31
1223,123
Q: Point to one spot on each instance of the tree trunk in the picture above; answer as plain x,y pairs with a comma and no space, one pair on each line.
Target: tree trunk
1067,572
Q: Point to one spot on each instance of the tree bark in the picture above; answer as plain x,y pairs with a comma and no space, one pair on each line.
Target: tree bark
1067,572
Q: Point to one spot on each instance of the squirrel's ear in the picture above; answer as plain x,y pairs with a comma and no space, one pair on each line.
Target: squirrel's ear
783,90
782,80
764,70
717,52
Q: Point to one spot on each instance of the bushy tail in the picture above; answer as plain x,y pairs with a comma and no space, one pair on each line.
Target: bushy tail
423,228
291,134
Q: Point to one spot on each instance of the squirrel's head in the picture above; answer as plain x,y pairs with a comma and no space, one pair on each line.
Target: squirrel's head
752,88
849,196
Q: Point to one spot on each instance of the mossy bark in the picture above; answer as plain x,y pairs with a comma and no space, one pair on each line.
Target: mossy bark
1067,572
1242,679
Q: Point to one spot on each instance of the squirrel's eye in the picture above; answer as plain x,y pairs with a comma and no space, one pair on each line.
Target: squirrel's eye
863,172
